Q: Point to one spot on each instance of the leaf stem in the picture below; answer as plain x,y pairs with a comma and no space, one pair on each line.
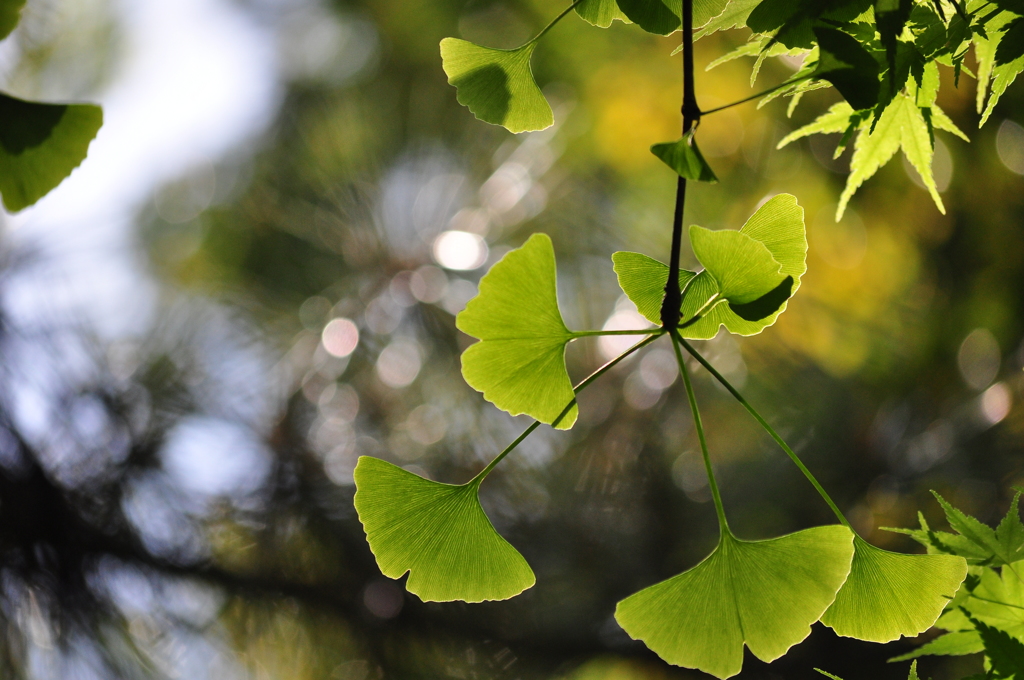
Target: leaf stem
756,96
555,21
768,428
579,388
646,331
723,524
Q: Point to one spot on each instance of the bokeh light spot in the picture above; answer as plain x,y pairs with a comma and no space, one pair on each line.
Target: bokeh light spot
996,402
460,250
1010,146
399,363
979,358
340,337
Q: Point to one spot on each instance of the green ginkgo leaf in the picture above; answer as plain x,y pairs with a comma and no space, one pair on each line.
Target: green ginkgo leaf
496,85
778,225
10,15
600,12
743,268
765,594
660,17
889,595
438,533
685,158
40,144
643,280
519,363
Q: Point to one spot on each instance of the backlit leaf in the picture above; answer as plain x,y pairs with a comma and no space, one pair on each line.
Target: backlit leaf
901,126
600,12
889,595
438,533
40,145
836,119
993,77
733,16
778,225
519,363
685,158
742,267
496,85
997,600
848,66
654,16
1004,652
765,594
1003,545
643,280
950,644
10,15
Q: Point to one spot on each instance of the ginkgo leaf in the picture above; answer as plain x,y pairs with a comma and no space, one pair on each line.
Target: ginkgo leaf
40,145
743,268
496,85
600,12
778,225
889,595
643,280
519,363
765,594
438,533
660,17
849,67
685,158
901,126
10,15
950,644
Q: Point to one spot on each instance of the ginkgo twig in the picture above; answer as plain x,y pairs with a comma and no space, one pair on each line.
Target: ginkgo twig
577,389
723,524
770,430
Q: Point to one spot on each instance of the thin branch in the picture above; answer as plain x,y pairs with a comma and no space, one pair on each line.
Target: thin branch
756,96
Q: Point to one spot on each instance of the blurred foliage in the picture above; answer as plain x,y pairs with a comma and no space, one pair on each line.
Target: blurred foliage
900,363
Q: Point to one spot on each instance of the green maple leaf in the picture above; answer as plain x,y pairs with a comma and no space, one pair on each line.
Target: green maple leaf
497,85
995,77
10,15
438,533
997,600
751,273
733,16
943,542
519,363
889,595
1004,652
600,12
959,643
902,126
765,594
40,145
685,158
1003,545
849,67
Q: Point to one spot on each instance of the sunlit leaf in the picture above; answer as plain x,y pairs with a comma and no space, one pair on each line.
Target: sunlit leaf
496,85
848,66
10,15
901,126
943,542
684,157
997,599
950,644
1002,545
438,533
519,363
836,119
765,594
733,16
40,145
600,12
742,267
910,676
994,77
778,225
643,280
654,16
889,595
1004,652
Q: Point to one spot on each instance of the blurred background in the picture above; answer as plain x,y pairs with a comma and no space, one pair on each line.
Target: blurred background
252,281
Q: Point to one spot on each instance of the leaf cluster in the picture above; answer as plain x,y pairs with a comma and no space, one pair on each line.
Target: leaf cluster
40,143
987,615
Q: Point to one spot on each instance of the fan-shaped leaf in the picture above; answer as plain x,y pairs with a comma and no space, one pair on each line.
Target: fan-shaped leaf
438,533
685,158
519,363
889,594
600,12
654,16
496,85
10,15
778,225
743,268
40,145
765,594
643,280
